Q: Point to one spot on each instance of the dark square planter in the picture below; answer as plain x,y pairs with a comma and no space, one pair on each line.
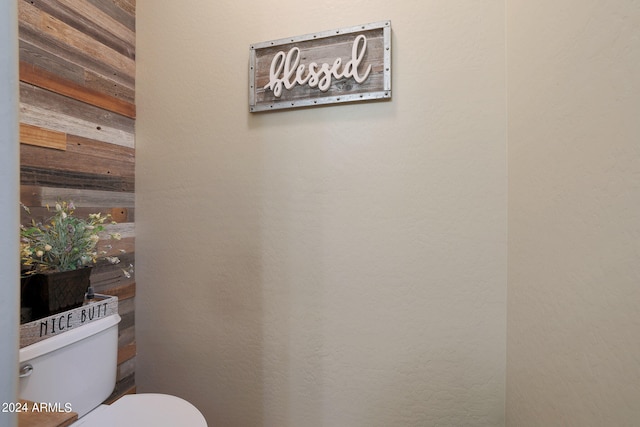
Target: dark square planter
51,293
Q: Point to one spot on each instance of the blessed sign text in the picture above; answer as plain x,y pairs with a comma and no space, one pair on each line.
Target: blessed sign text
345,65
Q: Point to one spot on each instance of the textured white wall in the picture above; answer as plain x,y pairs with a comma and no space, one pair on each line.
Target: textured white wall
9,208
337,266
574,213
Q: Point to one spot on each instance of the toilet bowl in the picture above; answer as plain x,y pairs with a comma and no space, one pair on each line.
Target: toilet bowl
147,409
77,370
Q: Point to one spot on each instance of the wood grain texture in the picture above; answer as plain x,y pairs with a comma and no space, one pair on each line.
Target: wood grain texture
53,28
40,77
122,292
35,176
41,57
45,117
127,313
109,86
65,56
34,135
126,369
62,67
42,196
94,22
122,11
118,214
83,156
49,110
126,336
127,352
77,118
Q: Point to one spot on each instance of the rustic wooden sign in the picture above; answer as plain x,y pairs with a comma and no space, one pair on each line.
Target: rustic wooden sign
343,65
38,330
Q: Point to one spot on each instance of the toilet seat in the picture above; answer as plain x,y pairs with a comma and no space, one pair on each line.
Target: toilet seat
146,409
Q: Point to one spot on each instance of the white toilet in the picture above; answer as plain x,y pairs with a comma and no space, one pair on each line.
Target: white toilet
77,370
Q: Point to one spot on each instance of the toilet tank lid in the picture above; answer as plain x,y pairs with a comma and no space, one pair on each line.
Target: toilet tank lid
67,338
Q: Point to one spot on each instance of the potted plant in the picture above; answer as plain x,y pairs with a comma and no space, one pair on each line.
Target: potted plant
56,258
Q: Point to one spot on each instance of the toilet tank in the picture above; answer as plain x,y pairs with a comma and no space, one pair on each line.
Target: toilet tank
75,370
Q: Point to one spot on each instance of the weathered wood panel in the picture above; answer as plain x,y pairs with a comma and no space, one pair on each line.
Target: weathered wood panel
79,158
34,135
92,21
122,11
65,69
43,196
36,176
122,292
111,87
120,215
110,279
31,39
39,57
44,117
61,161
49,110
50,27
40,77
126,336
77,94
127,352
127,313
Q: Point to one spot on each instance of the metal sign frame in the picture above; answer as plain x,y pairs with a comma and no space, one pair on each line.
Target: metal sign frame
305,52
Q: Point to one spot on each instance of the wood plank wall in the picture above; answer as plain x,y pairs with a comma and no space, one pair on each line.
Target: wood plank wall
77,115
